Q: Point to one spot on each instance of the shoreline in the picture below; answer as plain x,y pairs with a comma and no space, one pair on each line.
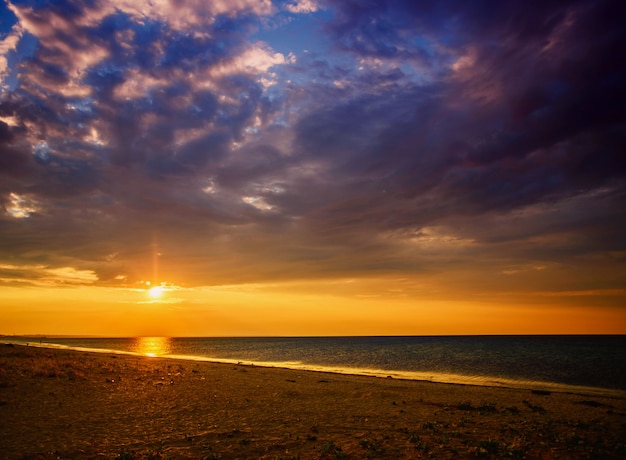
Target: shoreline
433,377
60,403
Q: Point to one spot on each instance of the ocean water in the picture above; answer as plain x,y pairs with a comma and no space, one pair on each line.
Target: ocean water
592,364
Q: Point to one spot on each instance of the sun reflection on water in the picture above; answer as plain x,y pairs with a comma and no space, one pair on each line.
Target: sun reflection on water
152,346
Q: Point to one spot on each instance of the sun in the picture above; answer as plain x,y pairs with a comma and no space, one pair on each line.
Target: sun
156,292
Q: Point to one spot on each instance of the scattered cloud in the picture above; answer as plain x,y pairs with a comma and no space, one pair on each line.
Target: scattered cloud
39,275
302,6
418,137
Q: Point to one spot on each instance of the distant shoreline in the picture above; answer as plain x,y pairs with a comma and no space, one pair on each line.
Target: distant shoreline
79,336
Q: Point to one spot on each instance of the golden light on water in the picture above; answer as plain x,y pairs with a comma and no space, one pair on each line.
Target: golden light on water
152,346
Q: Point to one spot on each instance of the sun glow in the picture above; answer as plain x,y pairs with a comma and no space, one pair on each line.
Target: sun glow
156,292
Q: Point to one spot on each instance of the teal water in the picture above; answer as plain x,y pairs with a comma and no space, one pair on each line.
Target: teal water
567,363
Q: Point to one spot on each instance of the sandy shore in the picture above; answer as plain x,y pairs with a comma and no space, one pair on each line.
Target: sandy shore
68,404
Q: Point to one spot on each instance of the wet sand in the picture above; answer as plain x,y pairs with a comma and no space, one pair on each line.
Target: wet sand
82,405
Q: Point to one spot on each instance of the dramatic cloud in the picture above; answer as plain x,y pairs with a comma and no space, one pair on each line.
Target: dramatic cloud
474,145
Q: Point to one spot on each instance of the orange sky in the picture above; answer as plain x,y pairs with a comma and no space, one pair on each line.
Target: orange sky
338,307
312,168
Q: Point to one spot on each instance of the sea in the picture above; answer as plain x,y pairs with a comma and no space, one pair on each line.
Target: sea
588,364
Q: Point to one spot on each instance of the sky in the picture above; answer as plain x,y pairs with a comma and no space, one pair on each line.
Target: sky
312,167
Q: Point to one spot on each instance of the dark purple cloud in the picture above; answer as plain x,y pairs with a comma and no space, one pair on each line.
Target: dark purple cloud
418,136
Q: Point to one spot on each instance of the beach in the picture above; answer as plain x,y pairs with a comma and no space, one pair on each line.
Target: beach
57,403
